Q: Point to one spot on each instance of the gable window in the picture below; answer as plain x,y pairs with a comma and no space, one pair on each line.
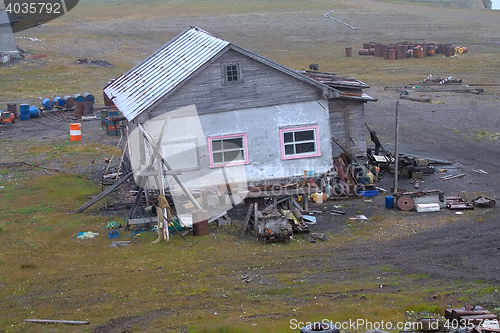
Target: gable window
231,73
299,142
228,150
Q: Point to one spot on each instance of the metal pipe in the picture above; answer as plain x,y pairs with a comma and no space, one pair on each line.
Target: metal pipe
396,157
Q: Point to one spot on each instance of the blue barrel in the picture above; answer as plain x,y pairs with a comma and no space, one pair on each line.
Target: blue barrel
34,112
389,201
89,97
59,102
24,112
47,103
78,98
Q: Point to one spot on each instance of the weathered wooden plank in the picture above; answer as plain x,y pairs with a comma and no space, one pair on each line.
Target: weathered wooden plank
261,86
50,321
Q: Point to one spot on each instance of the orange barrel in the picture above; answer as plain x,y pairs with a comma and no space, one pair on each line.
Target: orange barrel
465,49
79,108
6,119
12,117
75,131
200,222
348,51
431,50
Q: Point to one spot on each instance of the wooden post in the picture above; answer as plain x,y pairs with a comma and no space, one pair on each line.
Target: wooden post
396,157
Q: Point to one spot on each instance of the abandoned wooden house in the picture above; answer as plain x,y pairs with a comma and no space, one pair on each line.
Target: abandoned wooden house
217,113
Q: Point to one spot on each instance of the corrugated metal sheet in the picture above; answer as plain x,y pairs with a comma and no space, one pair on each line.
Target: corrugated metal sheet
142,86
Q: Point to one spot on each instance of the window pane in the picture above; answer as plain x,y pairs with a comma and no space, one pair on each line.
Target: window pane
304,135
217,158
232,72
304,148
234,143
230,156
288,137
289,150
216,145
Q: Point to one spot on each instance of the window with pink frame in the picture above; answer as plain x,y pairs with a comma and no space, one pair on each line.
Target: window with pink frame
227,150
299,142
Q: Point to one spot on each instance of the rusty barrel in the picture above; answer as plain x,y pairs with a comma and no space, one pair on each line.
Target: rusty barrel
12,108
378,50
448,50
431,51
79,108
364,52
200,222
392,54
88,108
70,101
419,52
348,51
439,49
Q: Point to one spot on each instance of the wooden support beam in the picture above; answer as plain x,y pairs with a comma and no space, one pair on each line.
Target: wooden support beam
50,321
104,193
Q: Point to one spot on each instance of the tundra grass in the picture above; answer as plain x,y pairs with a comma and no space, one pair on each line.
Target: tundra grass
192,284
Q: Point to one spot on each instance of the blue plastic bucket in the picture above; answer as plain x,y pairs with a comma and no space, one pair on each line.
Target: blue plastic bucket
34,112
47,103
24,112
389,201
59,102
113,234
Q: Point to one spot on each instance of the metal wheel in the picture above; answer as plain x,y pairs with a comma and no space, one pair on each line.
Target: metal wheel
405,203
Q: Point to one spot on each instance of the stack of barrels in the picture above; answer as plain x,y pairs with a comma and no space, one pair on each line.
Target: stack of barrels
84,104
407,50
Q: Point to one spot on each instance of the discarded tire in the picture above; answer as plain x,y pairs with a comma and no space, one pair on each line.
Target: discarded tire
320,327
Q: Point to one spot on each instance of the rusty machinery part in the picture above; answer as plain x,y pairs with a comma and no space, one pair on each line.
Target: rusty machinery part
323,327
274,230
405,202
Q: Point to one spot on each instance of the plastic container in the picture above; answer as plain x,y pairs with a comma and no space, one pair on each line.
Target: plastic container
24,112
318,197
75,132
389,201
113,234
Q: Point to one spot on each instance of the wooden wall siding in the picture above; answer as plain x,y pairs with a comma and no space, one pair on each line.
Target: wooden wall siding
262,86
347,121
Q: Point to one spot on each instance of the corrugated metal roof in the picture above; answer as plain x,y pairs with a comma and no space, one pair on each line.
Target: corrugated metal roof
143,85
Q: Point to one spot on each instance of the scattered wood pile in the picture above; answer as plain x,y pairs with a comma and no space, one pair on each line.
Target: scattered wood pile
472,319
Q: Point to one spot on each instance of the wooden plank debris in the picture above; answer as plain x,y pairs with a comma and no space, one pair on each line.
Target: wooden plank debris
104,193
452,177
50,321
